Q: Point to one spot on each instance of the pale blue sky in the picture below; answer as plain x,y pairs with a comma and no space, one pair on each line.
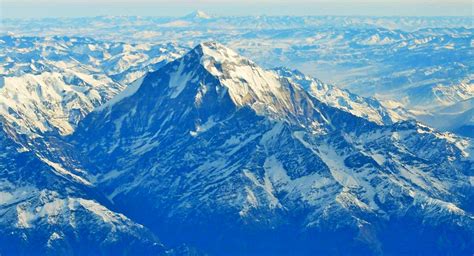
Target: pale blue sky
76,8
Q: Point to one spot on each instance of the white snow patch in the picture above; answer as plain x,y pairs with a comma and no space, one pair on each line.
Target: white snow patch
5,197
101,211
24,217
178,80
127,92
204,127
63,172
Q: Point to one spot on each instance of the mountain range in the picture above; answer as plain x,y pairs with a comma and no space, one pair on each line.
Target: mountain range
422,64
208,153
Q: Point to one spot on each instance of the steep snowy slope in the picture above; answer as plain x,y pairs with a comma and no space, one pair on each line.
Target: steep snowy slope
231,157
46,209
53,101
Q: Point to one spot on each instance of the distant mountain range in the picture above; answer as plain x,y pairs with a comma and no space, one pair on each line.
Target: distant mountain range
50,84
206,152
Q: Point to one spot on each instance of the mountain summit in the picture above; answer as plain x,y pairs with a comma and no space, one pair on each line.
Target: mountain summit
197,15
231,157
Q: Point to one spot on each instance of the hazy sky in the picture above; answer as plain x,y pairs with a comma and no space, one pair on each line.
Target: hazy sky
68,8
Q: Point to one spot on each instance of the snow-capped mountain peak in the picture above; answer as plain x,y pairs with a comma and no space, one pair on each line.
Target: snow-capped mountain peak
238,78
217,50
196,15
246,83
